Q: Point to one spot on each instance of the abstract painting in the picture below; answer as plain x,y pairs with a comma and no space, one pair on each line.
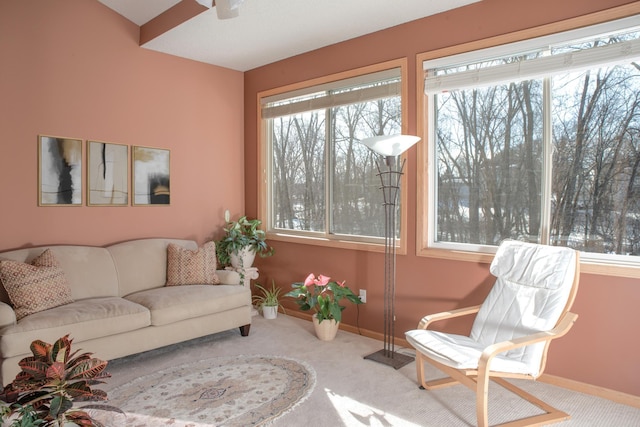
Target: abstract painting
59,171
107,174
151,177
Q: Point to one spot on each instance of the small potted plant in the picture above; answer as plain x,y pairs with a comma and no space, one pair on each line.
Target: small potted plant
242,241
323,296
268,300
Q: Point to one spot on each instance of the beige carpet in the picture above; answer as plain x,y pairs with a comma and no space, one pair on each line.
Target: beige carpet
351,391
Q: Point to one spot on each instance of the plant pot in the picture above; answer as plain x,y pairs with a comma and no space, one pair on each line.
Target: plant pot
325,330
270,311
246,254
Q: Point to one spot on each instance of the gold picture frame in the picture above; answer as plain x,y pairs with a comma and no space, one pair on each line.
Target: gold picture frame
59,171
151,176
107,174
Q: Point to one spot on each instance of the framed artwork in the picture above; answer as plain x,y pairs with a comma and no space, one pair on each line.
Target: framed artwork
107,174
151,176
59,171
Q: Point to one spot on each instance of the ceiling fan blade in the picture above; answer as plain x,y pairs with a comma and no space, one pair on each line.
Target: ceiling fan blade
206,3
227,9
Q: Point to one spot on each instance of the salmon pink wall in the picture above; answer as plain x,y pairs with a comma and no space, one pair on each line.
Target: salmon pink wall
73,68
602,348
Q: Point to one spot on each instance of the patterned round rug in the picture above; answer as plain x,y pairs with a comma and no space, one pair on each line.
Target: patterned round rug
224,391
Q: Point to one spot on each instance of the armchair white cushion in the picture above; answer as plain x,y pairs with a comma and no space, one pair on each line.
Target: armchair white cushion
526,308
527,297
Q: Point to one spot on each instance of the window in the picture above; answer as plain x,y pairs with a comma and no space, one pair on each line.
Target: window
539,141
320,181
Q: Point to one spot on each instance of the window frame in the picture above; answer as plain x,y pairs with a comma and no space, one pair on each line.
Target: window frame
426,151
264,167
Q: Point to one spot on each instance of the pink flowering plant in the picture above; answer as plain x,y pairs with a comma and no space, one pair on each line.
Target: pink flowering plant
323,296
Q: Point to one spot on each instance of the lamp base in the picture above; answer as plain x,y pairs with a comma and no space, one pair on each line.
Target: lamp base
390,358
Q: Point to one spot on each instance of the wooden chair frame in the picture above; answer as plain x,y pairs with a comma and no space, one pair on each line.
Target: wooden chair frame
478,380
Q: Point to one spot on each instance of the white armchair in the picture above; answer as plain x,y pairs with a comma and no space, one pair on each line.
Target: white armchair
527,308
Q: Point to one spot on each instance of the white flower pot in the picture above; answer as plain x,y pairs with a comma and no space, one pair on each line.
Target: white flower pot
325,330
246,254
270,311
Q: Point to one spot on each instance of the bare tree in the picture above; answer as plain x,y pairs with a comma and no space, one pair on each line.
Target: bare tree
489,148
300,171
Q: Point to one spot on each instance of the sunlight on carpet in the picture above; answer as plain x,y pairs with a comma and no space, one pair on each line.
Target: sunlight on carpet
354,413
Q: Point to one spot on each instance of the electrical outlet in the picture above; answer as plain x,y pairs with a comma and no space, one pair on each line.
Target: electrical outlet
363,295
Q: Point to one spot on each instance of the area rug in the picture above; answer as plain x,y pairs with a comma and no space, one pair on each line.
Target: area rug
224,391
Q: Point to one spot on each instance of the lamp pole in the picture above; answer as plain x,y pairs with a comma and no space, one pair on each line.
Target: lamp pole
390,173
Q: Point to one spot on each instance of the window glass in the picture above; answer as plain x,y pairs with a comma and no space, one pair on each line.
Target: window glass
322,181
540,145
298,144
357,199
596,179
489,163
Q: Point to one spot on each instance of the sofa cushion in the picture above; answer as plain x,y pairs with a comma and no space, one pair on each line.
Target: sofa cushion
82,320
192,267
7,315
142,264
36,286
175,303
89,270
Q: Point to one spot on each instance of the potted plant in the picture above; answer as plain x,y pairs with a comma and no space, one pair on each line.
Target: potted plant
42,393
242,236
268,300
323,296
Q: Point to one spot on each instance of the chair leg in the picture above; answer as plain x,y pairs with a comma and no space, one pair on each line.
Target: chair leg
420,370
478,381
551,415
433,384
482,399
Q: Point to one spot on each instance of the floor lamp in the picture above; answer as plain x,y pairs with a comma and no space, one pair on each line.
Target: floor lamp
390,170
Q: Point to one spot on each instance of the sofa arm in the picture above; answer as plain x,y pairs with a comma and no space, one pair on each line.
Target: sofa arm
7,315
228,277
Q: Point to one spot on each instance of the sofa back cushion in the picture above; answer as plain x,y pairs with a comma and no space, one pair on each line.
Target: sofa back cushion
89,270
142,264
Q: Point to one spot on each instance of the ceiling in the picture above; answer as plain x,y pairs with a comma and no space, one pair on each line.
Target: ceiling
270,30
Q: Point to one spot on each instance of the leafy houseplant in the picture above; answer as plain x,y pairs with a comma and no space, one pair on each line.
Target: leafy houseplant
323,296
240,234
42,393
268,298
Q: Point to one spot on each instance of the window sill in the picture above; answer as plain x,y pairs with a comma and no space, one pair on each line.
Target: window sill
586,266
331,243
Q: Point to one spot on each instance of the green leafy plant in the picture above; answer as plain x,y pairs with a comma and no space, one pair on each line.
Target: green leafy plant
323,296
42,394
23,416
239,235
267,297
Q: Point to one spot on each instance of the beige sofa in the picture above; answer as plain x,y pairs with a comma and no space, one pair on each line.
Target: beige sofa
121,305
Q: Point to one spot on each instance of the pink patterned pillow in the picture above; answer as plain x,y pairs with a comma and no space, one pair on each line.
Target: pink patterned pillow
37,286
187,267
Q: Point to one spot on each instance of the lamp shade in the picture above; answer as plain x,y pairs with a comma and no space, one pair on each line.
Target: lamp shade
390,145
